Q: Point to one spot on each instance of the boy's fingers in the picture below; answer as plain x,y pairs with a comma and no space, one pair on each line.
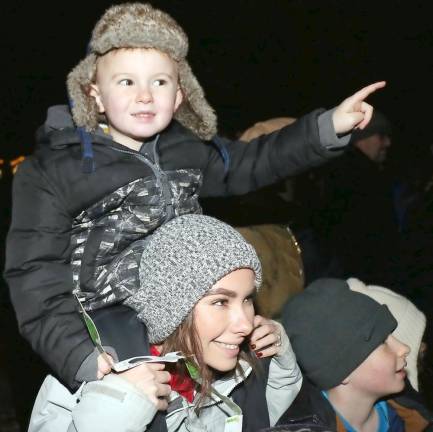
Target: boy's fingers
161,404
155,366
163,390
368,113
362,94
162,376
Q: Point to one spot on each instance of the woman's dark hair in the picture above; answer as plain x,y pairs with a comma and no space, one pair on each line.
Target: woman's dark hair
185,339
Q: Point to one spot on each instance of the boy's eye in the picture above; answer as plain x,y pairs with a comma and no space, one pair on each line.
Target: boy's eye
159,82
126,82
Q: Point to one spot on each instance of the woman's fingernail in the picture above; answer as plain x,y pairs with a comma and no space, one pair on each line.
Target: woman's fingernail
253,346
259,354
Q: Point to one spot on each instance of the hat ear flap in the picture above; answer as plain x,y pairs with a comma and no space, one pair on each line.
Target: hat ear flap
195,113
83,106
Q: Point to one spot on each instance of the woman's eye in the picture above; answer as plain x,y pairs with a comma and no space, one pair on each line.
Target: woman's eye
220,302
126,82
249,299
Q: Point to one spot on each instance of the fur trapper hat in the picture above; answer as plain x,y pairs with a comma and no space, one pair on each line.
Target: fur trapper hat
139,25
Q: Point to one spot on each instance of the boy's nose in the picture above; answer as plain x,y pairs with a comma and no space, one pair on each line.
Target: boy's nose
403,350
144,96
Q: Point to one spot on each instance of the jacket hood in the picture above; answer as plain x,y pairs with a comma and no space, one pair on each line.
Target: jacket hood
59,130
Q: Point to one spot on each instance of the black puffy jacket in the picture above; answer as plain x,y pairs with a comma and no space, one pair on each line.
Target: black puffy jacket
52,198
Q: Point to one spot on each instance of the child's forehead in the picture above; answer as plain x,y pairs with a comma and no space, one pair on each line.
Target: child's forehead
130,57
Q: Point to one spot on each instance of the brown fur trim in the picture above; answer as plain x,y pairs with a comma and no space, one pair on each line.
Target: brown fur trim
138,25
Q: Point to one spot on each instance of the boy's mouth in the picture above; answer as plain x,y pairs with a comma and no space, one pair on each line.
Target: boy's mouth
402,368
143,114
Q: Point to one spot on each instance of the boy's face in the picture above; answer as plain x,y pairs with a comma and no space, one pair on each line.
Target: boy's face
137,90
382,372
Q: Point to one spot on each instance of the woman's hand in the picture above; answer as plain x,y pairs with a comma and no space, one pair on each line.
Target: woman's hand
152,380
265,339
354,112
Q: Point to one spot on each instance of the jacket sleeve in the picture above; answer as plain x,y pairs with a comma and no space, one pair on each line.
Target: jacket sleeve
112,404
284,380
109,404
39,275
269,158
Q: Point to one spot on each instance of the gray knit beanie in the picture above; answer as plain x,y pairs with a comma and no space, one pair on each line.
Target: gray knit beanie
139,25
181,261
333,329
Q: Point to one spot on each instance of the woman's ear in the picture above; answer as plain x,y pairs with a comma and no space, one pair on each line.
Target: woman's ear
96,94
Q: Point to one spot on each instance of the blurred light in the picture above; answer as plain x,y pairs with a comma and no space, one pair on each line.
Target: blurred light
14,163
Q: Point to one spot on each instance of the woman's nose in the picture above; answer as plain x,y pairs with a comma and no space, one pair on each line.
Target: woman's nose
243,321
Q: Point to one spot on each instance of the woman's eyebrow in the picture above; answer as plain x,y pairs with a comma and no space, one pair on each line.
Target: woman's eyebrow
220,290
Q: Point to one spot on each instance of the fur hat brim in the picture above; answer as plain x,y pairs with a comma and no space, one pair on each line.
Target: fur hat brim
137,25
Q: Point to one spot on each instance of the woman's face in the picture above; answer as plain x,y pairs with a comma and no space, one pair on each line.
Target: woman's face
224,319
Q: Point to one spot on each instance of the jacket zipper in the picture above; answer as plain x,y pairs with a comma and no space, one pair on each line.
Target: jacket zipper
161,179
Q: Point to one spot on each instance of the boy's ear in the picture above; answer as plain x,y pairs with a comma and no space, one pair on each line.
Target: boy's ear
179,99
96,94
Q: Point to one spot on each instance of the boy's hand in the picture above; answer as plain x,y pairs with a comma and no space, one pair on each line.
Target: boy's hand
265,339
104,366
152,380
353,112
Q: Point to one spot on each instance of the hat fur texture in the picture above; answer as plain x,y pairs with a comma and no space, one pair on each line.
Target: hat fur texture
139,25
180,263
411,321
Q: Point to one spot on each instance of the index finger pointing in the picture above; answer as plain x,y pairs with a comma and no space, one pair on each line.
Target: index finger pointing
362,94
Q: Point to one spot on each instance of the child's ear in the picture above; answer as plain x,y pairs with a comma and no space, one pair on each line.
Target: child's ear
96,94
179,99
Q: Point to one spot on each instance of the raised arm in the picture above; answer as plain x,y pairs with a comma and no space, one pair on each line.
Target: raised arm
310,141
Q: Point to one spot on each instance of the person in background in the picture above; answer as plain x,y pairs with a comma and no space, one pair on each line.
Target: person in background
356,218
352,363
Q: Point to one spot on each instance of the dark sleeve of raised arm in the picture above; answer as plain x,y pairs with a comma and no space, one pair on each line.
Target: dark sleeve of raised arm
268,158
39,275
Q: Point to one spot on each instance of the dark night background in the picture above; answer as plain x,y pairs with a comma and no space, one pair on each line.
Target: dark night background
255,60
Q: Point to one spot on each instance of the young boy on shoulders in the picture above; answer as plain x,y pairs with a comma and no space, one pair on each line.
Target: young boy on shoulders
137,152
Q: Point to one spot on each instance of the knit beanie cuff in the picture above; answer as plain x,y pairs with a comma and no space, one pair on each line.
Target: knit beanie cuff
365,340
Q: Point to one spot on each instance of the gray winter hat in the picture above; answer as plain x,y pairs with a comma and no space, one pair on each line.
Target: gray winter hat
180,263
139,25
333,329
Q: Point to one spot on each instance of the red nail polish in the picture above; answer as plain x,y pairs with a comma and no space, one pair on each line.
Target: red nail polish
259,354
